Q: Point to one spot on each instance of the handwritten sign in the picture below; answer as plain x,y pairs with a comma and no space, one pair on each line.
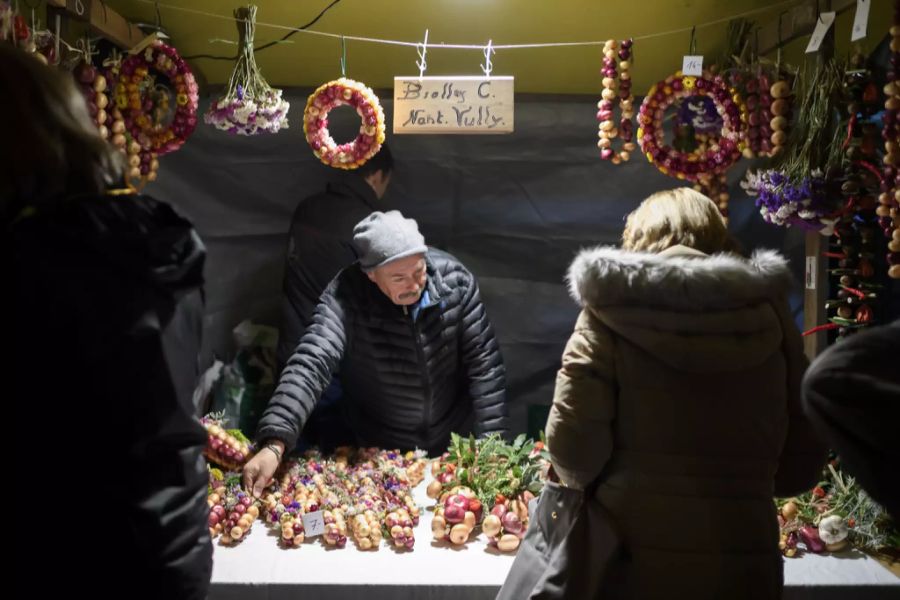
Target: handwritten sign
692,65
453,105
861,20
313,524
823,24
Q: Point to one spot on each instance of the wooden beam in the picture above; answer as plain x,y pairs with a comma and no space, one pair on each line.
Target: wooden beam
102,20
795,23
816,288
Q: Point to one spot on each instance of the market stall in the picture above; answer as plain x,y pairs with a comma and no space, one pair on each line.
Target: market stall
791,155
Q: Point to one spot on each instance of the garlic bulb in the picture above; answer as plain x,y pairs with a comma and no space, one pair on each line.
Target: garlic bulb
833,529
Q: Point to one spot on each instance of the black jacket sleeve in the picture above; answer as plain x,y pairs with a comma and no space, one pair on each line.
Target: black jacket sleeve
307,373
165,478
803,454
852,395
483,367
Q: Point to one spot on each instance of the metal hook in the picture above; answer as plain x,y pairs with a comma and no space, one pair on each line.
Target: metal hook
422,50
693,47
343,57
487,67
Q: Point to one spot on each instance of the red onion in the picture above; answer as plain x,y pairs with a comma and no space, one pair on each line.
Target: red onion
511,522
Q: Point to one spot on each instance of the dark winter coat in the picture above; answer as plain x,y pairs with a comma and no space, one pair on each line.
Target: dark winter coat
681,386
106,323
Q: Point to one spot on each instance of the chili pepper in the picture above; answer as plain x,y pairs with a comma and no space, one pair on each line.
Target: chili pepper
871,168
819,328
850,126
864,314
854,291
20,28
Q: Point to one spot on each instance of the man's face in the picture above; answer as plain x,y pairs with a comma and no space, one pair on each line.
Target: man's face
401,280
379,180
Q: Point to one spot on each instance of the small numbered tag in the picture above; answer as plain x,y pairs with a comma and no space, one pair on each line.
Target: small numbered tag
313,524
823,24
692,65
861,21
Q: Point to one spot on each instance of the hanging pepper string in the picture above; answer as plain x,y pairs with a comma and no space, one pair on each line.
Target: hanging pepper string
819,328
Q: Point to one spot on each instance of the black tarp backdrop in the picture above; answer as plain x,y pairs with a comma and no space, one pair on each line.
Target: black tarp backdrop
514,208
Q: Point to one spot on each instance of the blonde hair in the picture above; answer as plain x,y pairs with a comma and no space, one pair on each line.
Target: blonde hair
672,217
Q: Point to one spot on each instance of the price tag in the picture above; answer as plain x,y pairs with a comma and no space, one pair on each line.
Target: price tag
823,24
861,20
313,524
810,272
692,65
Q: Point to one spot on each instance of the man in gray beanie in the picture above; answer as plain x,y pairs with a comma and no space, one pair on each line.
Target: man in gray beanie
411,342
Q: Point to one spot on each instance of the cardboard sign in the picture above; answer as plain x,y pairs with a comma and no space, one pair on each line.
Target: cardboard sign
692,65
475,105
313,524
861,20
823,24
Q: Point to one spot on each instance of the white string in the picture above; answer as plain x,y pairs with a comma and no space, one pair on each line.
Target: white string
422,50
473,46
487,67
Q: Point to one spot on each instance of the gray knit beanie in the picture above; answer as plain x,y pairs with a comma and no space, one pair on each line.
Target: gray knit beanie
383,237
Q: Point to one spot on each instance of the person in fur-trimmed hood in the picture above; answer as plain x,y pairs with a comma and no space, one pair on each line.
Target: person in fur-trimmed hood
680,389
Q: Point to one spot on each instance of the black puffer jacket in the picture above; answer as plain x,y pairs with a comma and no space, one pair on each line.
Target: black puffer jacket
319,246
106,319
407,383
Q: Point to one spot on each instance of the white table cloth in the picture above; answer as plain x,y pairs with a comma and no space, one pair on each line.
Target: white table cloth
259,568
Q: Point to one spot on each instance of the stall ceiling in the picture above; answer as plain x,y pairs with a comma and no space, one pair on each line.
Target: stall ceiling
310,60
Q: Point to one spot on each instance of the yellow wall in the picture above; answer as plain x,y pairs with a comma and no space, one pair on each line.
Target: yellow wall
312,60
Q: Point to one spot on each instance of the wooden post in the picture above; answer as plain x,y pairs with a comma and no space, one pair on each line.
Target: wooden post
815,293
816,280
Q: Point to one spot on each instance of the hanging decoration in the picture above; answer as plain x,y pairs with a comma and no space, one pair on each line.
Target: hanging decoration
142,164
93,86
250,106
350,155
800,188
889,200
853,246
710,160
616,73
147,83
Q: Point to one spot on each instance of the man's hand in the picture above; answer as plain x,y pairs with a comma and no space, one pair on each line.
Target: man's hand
259,470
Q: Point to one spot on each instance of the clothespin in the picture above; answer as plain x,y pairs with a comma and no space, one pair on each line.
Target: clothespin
422,49
487,67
